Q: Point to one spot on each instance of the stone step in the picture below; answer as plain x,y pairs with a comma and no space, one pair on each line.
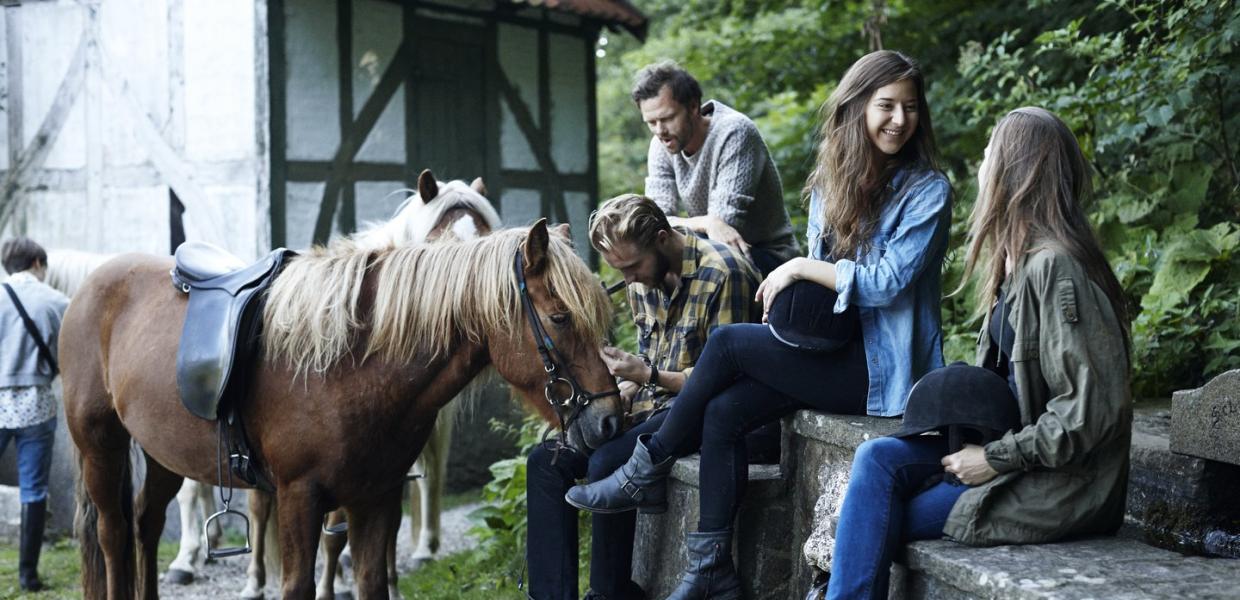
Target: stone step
1113,568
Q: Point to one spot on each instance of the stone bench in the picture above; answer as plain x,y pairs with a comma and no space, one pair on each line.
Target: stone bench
1113,568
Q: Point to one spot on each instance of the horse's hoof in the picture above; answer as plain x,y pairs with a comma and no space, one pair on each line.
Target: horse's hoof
249,594
178,577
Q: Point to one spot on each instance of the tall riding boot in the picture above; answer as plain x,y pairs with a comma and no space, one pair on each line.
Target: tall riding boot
33,517
637,484
710,573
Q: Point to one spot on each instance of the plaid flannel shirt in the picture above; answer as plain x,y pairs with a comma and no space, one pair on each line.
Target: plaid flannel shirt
716,288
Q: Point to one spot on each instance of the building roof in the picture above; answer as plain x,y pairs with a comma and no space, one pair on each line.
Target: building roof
611,12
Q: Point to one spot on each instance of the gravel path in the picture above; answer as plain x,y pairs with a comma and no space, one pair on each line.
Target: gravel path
225,578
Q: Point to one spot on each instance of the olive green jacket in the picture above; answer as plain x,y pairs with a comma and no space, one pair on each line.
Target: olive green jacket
1066,472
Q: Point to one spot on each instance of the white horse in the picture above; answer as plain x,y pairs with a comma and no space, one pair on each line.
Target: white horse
454,209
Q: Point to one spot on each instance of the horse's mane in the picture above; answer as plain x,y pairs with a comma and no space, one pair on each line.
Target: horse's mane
67,269
414,220
427,298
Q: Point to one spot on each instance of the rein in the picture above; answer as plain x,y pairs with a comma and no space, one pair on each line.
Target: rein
558,372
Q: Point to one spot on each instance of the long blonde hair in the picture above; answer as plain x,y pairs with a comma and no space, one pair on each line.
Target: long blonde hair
426,298
846,157
1034,184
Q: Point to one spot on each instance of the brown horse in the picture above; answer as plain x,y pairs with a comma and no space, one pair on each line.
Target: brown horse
361,350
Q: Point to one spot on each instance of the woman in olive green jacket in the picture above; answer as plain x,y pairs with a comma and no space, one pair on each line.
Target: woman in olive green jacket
1057,330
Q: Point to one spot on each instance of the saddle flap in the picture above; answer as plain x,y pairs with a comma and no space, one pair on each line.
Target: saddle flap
223,321
199,261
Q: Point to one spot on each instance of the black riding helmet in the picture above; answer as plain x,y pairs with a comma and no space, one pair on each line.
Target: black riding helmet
803,316
967,404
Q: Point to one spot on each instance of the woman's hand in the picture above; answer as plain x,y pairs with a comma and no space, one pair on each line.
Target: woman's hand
624,365
969,465
782,277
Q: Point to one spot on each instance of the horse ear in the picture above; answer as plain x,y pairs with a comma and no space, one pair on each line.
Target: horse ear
478,186
563,230
536,244
428,188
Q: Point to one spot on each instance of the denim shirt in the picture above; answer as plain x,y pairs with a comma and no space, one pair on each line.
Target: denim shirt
896,285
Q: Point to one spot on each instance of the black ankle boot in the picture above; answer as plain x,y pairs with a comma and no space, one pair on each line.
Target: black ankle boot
710,573
33,517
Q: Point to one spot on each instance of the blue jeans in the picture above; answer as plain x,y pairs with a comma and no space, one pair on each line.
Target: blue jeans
551,534
34,457
887,505
744,379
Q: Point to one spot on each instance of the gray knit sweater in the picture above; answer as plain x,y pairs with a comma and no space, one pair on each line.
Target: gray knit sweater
731,177
19,355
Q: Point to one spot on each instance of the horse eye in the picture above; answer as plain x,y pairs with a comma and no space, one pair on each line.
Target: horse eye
560,318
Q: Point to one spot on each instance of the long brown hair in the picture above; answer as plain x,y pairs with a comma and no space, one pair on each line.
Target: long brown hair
846,158
1034,183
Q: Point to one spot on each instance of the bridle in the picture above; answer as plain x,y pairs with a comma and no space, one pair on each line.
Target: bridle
558,371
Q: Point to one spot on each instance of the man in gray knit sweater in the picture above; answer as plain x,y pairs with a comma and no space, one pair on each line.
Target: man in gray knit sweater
710,162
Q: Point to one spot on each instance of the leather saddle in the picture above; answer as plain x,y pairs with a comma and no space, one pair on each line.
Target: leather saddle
223,322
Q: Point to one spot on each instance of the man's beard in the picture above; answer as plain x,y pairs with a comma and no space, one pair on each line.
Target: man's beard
661,266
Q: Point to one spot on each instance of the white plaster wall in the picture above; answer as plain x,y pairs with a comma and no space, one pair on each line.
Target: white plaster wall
50,33
376,201
518,57
301,209
139,56
220,79
313,81
376,36
570,117
4,91
233,207
519,207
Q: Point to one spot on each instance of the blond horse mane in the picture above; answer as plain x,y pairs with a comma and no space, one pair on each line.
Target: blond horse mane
427,298
417,216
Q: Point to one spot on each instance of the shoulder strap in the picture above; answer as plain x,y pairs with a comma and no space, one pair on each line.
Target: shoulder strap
34,331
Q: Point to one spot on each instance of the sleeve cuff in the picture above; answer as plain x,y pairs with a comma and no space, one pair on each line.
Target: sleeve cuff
1001,455
844,271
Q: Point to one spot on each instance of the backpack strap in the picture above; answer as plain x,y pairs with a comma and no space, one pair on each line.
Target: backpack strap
44,353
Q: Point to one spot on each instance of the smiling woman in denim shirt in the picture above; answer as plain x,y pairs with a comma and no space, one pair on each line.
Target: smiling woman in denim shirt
879,219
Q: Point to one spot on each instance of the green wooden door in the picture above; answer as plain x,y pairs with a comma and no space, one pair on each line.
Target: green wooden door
449,102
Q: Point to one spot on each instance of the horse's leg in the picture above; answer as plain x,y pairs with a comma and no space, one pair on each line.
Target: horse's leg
300,515
256,572
333,544
185,566
393,533
427,497
106,474
158,489
205,504
369,526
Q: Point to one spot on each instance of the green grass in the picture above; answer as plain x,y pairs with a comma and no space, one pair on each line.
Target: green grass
59,569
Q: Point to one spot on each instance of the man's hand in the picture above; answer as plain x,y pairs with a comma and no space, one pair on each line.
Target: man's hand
628,390
624,365
782,277
719,231
969,465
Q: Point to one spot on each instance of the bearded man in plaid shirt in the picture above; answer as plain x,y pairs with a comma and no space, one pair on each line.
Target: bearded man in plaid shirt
680,287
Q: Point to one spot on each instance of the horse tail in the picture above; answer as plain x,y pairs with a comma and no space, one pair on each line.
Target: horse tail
86,523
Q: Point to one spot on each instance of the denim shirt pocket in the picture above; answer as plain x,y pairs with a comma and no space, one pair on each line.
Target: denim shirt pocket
689,338
645,329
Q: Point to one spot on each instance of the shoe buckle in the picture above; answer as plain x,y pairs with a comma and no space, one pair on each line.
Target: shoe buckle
631,489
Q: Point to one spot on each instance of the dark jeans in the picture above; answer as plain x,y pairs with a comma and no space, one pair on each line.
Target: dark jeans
764,260
551,535
744,379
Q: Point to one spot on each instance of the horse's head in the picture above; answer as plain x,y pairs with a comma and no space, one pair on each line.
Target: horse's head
437,209
552,359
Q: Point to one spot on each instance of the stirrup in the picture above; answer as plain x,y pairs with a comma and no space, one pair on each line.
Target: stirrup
226,552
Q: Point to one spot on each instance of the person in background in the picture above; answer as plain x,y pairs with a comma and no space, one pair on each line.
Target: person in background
27,403
709,161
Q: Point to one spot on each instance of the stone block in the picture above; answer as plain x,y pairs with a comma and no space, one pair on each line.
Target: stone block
763,545
10,515
1205,422
1112,568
